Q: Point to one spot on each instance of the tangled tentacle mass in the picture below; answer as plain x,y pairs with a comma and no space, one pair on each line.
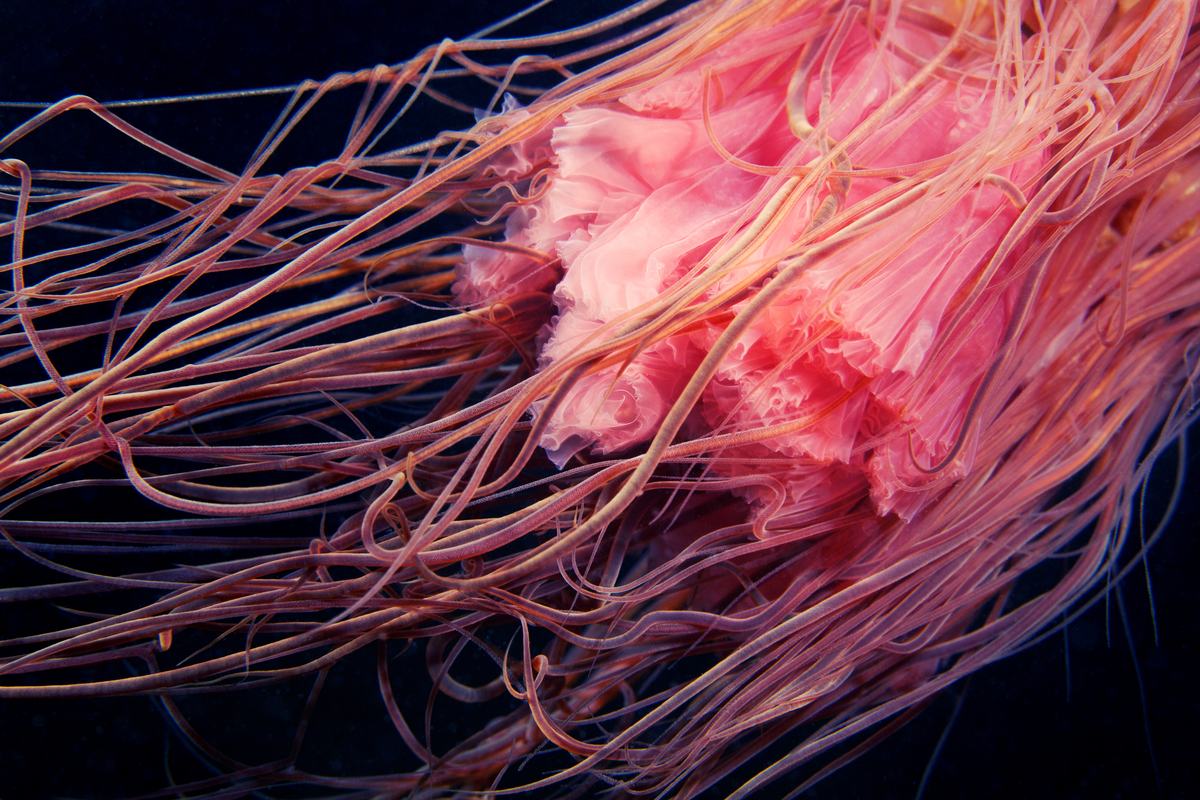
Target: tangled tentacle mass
719,384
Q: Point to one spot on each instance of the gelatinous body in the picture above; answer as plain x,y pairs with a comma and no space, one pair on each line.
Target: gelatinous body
799,549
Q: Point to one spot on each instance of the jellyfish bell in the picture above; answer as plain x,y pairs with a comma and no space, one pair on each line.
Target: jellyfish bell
681,532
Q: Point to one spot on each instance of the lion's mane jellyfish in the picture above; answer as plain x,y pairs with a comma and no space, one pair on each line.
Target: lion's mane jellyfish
730,378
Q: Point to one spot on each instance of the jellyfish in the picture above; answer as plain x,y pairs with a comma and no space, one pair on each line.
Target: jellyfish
416,365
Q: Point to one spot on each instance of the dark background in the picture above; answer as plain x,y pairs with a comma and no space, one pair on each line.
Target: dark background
1018,733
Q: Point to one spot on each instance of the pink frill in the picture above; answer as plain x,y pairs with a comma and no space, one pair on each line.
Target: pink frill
638,195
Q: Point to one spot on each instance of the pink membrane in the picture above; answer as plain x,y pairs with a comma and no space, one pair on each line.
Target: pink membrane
638,195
